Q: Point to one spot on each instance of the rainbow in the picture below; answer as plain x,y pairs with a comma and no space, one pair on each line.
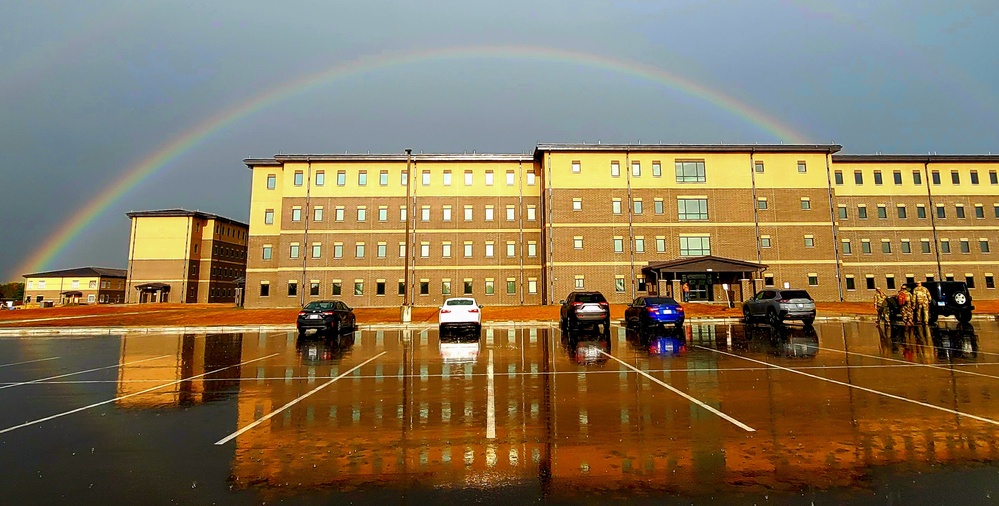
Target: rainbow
60,239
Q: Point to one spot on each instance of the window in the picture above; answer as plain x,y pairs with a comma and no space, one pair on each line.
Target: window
758,167
616,206
764,241
317,251
639,245
317,213
341,178
979,211
293,250
660,244
511,213
917,177
579,282
468,249
906,247
862,211
768,280
511,249
425,250
489,249
576,168
885,246
358,287
990,281
806,203
362,213
802,168
362,178
296,214
267,253
424,287
983,245
299,178
945,245
445,287
446,213
314,288
265,289
381,250
890,281
636,169
838,176
809,241
532,248
425,213
338,213
425,178
292,288
490,286
870,282
637,204
658,207
901,211
924,245
404,179
858,177
468,213
511,286
865,246
882,211
695,246
380,287
841,211
577,204
532,213
897,176
995,209
847,247
530,179
761,203
269,217
959,211
338,250
271,181
468,178
850,283
619,284
657,169
489,213
965,246
382,213
577,242
969,279
615,169
813,279
877,177
974,177
618,245
692,209
489,178
941,211
935,176
993,177
402,287
921,211
690,171
510,178
447,178
383,178
359,250
446,249
468,286
955,177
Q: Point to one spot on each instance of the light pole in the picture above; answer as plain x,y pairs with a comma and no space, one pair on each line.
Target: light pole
406,313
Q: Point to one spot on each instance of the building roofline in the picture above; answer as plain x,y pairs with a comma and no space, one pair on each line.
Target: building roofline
879,158
81,271
279,160
183,213
691,148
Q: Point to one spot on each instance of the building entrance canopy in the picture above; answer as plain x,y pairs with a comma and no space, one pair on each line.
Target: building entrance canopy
707,278
153,287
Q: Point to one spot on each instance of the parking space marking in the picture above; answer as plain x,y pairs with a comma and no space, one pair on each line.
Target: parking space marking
490,400
39,380
913,364
270,415
28,361
858,387
94,405
669,387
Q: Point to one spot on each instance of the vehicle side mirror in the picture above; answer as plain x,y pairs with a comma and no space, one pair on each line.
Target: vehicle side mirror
561,302
481,306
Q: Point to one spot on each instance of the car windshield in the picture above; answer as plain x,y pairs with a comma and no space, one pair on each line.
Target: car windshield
319,305
460,302
589,297
795,294
660,301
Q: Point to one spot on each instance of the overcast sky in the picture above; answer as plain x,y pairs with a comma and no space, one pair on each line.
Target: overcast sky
89,90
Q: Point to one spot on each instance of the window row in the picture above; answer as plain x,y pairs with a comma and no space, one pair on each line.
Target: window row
426,178
447,249
447,213
905,246
688,208
447,287
687,171
917,177
870,282
902,211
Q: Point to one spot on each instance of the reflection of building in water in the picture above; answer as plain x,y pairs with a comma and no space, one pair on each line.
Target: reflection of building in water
571,429
153,361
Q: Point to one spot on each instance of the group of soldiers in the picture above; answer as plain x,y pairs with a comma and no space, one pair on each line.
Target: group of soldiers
914,305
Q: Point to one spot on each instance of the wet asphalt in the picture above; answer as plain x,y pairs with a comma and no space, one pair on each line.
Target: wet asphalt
718,413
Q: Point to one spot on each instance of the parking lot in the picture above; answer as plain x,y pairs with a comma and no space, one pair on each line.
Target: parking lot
840,411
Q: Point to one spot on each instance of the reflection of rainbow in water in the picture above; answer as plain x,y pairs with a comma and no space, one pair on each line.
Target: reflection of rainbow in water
158,160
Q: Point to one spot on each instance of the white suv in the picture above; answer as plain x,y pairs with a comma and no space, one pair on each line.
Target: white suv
460,312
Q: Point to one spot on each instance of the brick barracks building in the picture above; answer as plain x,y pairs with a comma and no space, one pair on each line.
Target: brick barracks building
624,219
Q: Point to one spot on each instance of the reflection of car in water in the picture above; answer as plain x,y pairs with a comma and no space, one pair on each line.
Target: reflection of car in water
959,341
782,341
459,352
324,350
460,333
658,341
586,347
921,342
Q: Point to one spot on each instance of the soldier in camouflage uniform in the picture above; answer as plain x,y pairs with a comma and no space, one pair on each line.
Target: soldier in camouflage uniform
906,305
922,303
881,305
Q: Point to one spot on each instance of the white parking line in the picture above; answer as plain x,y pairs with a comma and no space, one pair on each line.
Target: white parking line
913,364
490,400
28,361
735,422
270,415
39,380
863,389
94,405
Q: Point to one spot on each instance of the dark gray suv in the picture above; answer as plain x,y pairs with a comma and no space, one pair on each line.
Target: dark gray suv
778,305
590,307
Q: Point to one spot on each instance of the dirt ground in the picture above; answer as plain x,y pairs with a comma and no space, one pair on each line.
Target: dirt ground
226,314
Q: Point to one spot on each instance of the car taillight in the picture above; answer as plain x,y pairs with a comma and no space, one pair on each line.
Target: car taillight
328,313
302,313
651,309
604,304
443,311
783,301
679,309
473,310
577,304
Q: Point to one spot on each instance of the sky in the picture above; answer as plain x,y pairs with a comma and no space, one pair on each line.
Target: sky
112,106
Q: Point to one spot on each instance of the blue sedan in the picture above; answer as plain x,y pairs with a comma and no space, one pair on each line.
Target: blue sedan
647,311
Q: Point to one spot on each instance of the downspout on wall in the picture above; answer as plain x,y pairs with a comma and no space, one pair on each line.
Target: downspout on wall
832,222
933,215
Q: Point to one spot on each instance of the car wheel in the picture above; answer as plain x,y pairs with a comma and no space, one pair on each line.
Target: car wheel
746,317
964,316
301,332
772,318
808,321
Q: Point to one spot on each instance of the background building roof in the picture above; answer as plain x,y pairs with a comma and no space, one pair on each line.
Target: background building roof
104,272
173,213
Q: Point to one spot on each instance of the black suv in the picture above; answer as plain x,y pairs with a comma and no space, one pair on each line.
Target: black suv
947,298
589,307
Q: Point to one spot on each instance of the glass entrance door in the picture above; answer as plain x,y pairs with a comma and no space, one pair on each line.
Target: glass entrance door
701,287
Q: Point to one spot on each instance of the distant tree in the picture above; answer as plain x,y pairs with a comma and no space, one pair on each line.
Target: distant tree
12,291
